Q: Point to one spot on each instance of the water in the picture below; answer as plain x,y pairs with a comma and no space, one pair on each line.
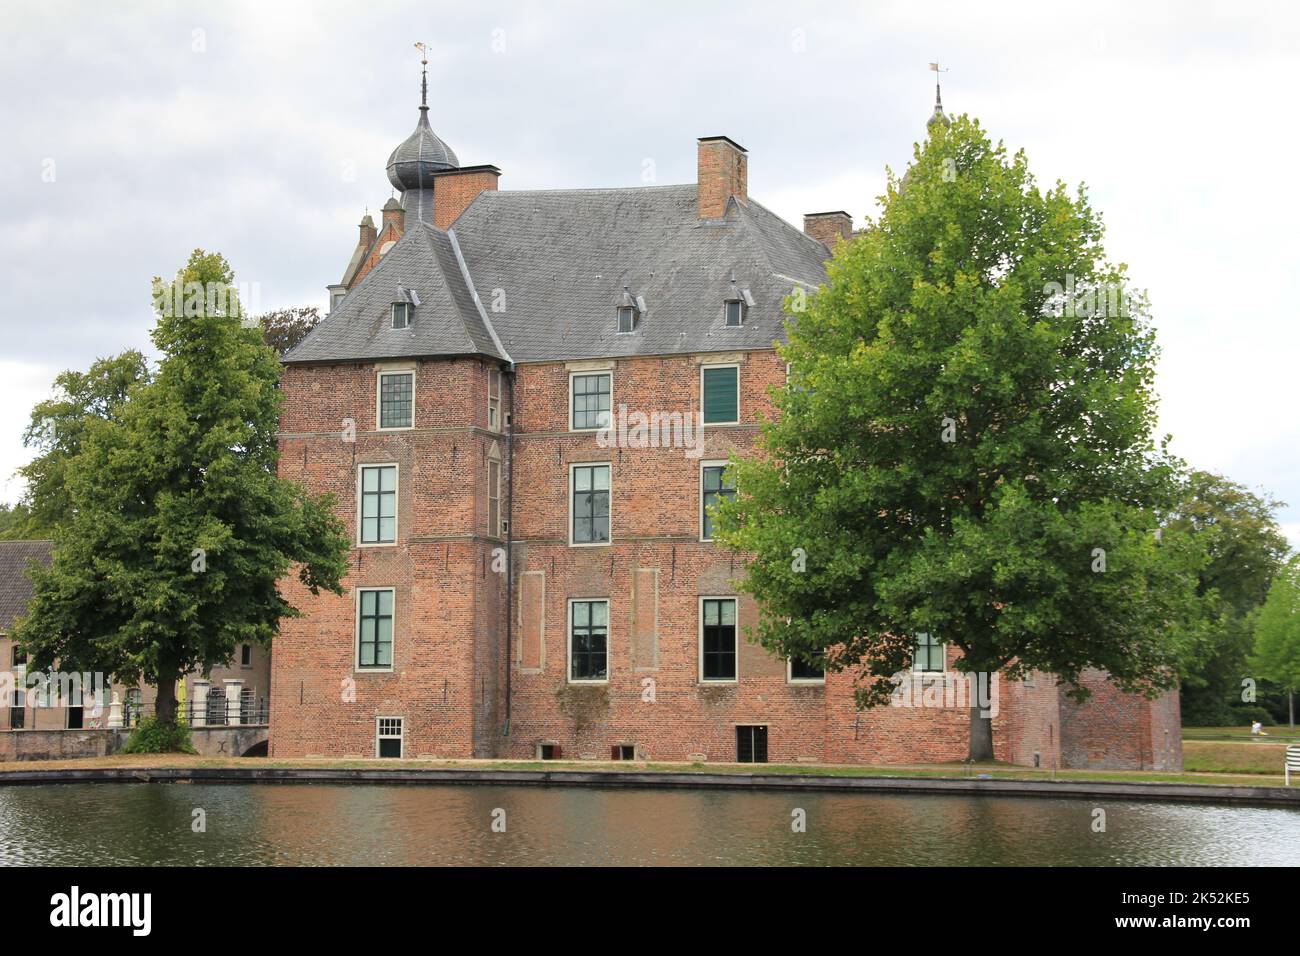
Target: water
391,825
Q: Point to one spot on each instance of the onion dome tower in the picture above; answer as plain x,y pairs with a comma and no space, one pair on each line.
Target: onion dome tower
415,162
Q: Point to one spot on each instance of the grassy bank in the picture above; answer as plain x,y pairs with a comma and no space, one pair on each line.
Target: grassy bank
1261,777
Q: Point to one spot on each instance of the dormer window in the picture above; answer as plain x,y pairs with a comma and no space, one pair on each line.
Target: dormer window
737,302
629,308
735,312
401,315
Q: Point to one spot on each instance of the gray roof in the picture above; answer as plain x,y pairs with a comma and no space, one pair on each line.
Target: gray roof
15,585
549,267
447,320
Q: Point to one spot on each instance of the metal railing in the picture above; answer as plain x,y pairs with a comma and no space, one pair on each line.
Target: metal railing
216,711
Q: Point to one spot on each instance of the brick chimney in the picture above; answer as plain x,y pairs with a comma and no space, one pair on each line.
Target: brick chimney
723,173
455,189
828,228
394,215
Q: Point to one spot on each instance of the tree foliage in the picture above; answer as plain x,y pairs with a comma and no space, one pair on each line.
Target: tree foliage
965,446
179,529
1277,631
282,329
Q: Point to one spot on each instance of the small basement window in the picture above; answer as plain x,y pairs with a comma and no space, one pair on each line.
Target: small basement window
623,752
389,737
401,315
549,751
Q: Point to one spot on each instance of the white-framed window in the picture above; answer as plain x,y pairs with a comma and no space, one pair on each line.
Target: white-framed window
401,315
395,400
374,629
715,483
798,671
494,496
626,319
494,399
720,394
377,505
589,504
719,646
589,641
388,737
591,396
735,312
928,654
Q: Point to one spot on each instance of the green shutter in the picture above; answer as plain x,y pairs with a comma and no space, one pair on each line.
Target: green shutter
720,399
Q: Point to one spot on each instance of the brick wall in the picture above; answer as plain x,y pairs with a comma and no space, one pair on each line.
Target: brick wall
458,628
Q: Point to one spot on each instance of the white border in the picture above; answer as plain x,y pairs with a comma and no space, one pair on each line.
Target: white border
943,649
401,741
356,634
601,371
699,637
802,681
379,380
736,366
591,544
568,640
397,503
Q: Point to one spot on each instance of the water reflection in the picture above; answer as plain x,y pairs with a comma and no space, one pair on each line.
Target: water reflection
87,824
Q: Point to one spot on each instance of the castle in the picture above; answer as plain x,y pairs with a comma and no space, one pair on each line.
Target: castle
527,581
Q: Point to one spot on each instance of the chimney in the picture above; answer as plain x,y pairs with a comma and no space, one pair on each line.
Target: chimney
368,233
723,173
394,215
455,189
828,228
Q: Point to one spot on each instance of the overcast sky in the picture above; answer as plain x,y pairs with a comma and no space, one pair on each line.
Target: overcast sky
261,129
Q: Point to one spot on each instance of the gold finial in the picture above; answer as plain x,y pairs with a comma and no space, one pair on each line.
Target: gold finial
424,75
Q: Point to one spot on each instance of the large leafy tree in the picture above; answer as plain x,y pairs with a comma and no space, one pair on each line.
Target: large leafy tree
1238,531
965,447
180,529
282,329
1277,634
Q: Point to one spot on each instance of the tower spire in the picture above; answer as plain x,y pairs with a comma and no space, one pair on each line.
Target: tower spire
424,75
938,116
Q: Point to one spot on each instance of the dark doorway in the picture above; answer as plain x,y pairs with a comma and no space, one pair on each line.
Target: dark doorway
76,718
751,744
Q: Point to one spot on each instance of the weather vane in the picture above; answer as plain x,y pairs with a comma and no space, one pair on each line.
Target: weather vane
424,75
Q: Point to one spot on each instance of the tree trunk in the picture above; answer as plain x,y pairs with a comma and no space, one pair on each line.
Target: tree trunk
981,733
165,707
1290,706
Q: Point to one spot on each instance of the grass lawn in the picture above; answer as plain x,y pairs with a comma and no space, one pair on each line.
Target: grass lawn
1281,732
1252,775
1245,756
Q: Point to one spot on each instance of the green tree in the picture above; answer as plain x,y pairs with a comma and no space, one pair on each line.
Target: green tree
57,428
180,529
282,329
1238,531
965,447
1277,634
13,521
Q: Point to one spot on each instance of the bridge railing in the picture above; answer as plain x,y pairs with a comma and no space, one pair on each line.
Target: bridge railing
213,712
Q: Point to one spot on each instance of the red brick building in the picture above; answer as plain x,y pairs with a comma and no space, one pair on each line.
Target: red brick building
522,401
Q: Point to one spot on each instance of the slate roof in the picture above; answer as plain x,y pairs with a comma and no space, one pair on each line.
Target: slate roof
15,585
417,158
560,260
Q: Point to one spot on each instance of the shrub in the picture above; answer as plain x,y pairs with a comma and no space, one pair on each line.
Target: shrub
153,737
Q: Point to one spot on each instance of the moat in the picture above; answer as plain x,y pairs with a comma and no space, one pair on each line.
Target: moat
391,825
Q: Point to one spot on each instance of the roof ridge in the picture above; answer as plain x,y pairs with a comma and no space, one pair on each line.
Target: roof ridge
664,187
430,233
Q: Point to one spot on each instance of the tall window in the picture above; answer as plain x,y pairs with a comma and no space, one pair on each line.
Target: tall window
720,385
18,710
590,504
396,399
379,504
715,483
494,497
401,315
388,737
626,319
588,640
246,655
494,399
375,629
19,656
591,401
928,656
735,312
718,639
